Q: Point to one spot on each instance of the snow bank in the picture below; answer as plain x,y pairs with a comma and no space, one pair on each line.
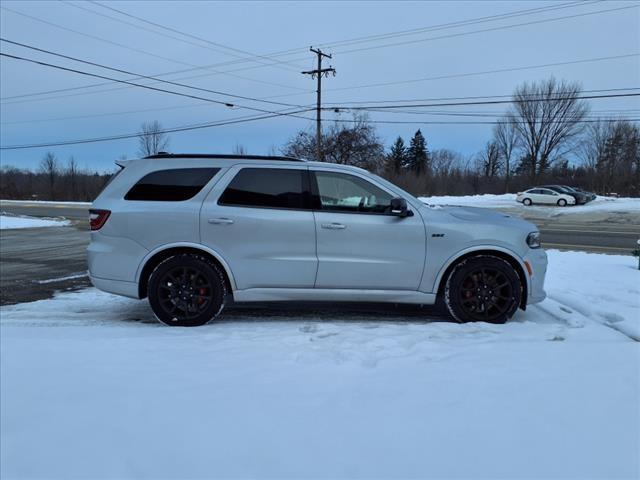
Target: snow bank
484,201
600,204
10,222
44,202
92,386
605,288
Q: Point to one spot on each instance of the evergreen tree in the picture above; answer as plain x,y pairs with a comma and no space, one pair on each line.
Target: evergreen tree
397,157
417,154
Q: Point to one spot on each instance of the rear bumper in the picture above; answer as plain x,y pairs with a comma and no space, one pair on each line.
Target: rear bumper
119,287
537,260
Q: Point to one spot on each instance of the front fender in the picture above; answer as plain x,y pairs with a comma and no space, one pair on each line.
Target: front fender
431,284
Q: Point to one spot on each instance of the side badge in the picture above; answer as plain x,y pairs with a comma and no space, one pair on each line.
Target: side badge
437,235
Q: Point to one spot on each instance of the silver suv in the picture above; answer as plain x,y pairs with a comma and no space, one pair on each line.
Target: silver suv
192,231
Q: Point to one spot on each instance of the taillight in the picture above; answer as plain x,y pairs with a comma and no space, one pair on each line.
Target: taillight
97,218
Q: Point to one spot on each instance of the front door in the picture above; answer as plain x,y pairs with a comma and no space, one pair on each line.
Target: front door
361,245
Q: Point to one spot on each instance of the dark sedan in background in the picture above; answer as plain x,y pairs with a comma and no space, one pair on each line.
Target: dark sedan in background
581,197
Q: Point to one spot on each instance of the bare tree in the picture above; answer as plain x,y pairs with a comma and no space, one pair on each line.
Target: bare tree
444,161
490,160
152,139
72,174
239,149
505,136
595,142
49,166
547,116
356,143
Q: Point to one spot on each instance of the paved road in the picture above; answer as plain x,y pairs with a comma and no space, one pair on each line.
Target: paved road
37,209
35,262
590,237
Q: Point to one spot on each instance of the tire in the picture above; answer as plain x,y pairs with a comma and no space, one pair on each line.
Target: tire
527,202
186,290
562,202
483,288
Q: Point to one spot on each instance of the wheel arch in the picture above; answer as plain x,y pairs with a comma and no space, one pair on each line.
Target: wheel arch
153,259
512,258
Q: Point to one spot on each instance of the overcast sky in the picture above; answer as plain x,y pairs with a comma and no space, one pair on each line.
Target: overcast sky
370,70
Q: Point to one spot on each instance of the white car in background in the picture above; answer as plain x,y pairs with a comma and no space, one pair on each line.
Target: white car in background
544,196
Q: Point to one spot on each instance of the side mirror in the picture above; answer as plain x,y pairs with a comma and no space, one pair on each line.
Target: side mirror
399,208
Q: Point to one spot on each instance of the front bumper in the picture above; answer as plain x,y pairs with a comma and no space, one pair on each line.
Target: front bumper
536,258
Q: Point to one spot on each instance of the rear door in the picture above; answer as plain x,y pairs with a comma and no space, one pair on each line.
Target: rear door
259,219
361,245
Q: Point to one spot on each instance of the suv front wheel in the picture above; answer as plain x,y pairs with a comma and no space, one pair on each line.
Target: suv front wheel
186,290
483,289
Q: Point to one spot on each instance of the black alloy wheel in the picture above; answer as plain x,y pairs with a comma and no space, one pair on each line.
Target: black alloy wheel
186,290
483,288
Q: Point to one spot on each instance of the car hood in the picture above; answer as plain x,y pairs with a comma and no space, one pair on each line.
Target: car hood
482,216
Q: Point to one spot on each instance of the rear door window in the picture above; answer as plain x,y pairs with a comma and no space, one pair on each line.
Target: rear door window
171,185
268,188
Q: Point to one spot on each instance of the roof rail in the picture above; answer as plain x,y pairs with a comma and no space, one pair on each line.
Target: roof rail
224,156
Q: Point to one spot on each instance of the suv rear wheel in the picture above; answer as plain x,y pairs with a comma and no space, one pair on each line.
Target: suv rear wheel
483,289
186,290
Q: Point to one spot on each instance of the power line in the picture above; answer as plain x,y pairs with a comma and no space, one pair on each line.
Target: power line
595,114
137,50
503,27
493,29
294,114
178,107
119,70
251,56
148,87
440,77
488,102
487,72
476,97
255,118
168,130
459,122
434,27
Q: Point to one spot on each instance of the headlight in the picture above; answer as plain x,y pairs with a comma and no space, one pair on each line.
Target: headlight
533,240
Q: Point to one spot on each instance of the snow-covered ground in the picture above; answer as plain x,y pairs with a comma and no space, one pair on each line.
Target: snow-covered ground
508,201
12,222
44,202
92,386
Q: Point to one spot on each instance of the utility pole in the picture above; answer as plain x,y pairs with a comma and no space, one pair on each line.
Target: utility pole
318,74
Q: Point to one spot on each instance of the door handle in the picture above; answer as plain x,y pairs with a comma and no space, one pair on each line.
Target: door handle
220,221
334,226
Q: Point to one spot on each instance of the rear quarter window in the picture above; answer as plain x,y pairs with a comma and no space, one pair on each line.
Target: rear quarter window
171,185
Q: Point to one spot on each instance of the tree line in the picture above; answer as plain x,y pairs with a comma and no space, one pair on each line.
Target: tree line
546,126
546,136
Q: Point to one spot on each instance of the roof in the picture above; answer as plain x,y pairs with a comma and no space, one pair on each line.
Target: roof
225,156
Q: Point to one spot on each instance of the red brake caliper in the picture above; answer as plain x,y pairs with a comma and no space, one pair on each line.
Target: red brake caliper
202,291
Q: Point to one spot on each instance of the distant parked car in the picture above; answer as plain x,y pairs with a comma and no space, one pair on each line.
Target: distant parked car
590,195
580,197
545,196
